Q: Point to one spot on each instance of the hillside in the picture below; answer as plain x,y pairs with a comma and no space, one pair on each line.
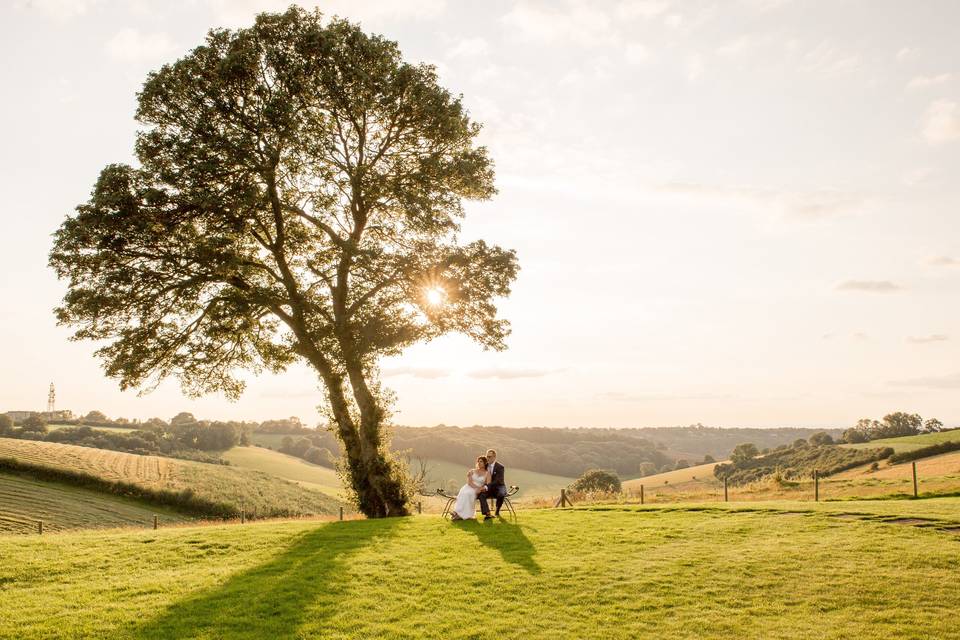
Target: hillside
24,501
909,443
601,573
194,487
283,466
700,472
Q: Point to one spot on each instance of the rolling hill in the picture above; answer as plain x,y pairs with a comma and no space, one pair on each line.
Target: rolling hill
24,501
706,572
193,487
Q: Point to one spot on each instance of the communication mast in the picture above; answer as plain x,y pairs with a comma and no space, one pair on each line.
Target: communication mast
51,399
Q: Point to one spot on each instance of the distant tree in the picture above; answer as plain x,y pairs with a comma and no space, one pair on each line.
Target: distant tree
96,416
184,417
821,438
286,445
932,425
34,424
682,464
6,425
895,425
597,480
743,453
854,435
297,197
799,443
156,424
708,459
647,468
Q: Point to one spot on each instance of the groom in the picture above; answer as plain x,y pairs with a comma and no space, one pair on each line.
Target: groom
495,488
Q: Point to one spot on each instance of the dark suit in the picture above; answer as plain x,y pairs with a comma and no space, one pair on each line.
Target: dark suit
496,488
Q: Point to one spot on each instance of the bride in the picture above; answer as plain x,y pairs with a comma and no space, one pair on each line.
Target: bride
464,509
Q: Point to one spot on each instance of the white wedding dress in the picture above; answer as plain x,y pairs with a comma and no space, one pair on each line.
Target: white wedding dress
466,499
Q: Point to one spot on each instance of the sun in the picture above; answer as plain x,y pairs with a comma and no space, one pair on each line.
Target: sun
436,296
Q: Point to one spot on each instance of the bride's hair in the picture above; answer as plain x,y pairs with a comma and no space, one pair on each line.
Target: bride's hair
482,459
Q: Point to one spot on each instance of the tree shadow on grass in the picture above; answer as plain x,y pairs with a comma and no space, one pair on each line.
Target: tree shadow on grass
507,538
271,600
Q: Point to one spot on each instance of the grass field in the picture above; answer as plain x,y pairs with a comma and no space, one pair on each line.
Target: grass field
24,501
698,473
284,466
786,570
259,493
909,443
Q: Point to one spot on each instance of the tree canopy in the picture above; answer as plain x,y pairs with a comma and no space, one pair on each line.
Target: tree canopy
298,196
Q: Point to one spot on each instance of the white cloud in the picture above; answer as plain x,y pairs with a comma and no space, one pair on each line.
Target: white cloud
936,337
133,46
646,9
509,373
941,122
58,9
240,13
430,373
918,176
905,53
694,67
799,205
944,261
925,82
949,381
636,53
470,48
869,286
577,22
828,60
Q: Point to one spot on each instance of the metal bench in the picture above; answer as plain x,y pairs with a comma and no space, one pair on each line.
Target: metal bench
511,491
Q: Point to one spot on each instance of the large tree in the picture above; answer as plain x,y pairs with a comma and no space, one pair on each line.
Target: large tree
297,196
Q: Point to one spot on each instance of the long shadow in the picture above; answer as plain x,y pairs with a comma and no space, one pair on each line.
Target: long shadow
507,538
273,599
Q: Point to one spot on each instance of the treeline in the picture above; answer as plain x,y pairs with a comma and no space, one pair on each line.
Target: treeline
183,437
893,425
794,462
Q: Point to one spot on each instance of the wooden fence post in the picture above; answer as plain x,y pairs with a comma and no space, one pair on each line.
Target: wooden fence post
40,527
641,494
341,514
816,485
914,478
243,515
156,522
563,497
726,496
419,507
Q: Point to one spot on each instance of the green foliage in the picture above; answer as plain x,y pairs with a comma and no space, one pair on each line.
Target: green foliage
893,425
34,425
6,425
597,481
298,193
798,462
743,453
924,452
821,438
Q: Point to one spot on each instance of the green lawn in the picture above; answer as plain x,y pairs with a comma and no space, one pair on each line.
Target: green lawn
54,427
783,570
24,501
910,443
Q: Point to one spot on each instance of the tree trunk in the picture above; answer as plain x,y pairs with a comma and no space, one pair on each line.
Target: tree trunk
379,492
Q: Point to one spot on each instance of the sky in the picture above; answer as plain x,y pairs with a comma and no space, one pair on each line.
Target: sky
738,213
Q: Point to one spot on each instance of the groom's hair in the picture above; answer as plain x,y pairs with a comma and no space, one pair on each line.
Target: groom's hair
492,452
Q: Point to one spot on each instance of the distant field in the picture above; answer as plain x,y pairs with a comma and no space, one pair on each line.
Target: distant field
699,473
909,443
786,570
54,427
24,501
285,466
259,493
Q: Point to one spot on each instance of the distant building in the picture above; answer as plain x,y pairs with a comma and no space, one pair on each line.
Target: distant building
49,416
20,416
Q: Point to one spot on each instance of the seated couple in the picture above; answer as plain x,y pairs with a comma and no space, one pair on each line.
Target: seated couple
483,481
